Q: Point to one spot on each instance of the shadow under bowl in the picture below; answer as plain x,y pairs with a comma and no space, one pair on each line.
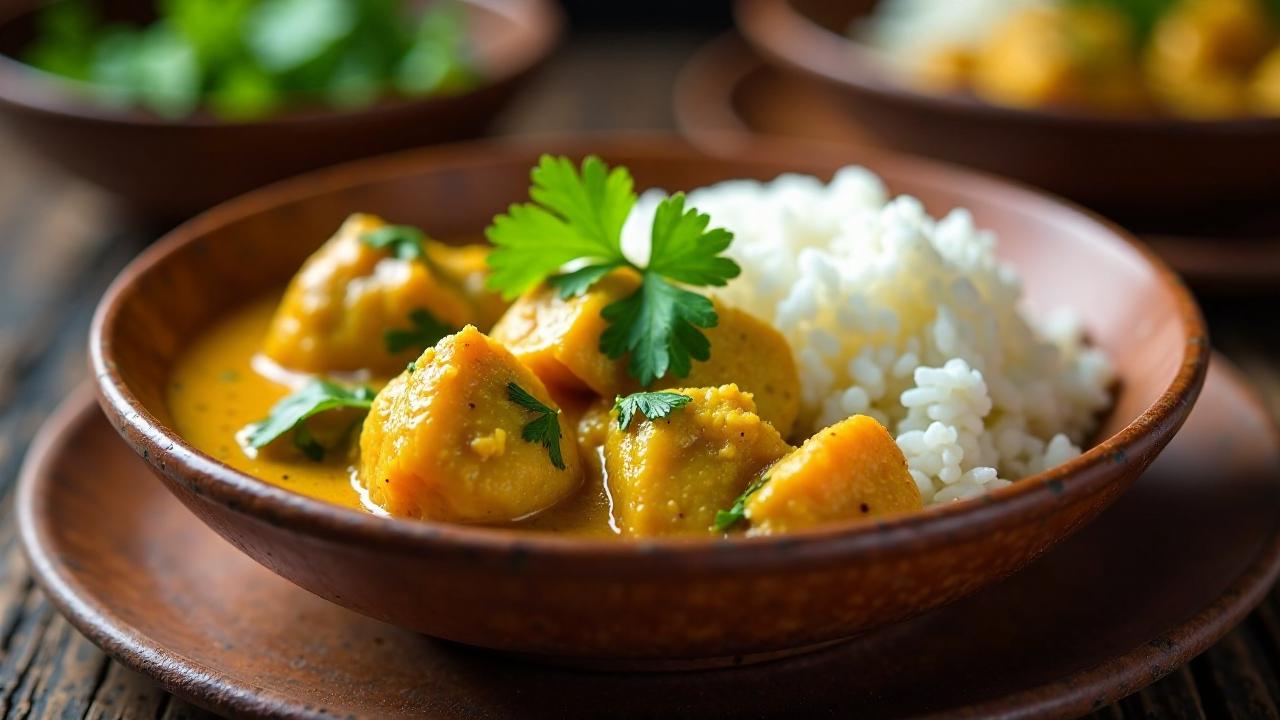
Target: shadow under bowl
1135,167
629,602
169,169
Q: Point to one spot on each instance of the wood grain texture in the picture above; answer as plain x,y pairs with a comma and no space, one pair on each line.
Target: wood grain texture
60,245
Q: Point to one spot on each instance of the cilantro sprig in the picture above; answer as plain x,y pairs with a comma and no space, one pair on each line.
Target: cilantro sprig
653,405
291,413
423,332
737,512
576,217
544,429
405,242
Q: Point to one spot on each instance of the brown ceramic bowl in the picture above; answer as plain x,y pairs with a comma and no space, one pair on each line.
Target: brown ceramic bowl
626,602
170,169
1138,166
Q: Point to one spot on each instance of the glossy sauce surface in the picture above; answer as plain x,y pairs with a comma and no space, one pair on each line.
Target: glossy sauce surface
221,384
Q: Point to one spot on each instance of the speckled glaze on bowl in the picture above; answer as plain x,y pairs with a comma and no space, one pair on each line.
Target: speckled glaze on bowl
170,169
1137,166
654,603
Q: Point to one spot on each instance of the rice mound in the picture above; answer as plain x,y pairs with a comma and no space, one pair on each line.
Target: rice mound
908,319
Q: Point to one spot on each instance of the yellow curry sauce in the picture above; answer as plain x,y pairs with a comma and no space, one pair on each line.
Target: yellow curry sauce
531,425
215,391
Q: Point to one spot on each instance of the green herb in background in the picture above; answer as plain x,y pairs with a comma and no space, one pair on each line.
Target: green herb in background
403,241
1141,14
244,59
424,331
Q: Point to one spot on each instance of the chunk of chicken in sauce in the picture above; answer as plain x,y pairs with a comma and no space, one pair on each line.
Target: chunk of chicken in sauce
560,340
444,442
670,476
348,295
849,471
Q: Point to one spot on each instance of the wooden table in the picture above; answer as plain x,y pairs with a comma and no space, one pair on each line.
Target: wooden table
61,243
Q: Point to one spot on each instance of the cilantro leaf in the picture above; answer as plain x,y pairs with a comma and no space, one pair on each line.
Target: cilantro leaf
292,411
594,202
682,248
306,442
403,241
653,405
426,331
577,215
658,325
544,429
737,512
577,282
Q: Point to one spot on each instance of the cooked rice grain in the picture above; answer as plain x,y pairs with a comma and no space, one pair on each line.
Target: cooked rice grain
909,319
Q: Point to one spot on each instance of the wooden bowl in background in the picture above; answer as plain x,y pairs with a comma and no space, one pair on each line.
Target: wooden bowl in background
1130,167
726,95
170,169
654,600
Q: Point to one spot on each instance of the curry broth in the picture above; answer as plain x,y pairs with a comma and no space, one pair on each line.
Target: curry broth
216,390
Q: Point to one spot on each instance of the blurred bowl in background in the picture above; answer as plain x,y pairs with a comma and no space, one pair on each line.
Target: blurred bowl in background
171,168
1133,167
726,96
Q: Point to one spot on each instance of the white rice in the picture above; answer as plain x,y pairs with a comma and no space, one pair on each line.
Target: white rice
908,319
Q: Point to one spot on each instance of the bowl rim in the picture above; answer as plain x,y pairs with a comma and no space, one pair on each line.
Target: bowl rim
539,25
784,35
181,463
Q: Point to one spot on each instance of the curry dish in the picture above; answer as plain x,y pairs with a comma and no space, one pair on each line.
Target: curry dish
460,383
1200,59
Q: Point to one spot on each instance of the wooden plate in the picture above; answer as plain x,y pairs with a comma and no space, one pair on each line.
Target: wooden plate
1177,561
726,93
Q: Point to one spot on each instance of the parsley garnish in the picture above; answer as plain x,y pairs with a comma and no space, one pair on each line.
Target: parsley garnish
244,59
544,429
403,241
726,519
577,216
653,405
426,331
292,412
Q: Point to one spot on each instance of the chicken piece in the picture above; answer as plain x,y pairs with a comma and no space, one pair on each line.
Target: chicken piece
670,476
1080,57
946,67
848,471
466,268
1264,87
593,430
1200,53
444,441
347,295
593,425
560,340
1212,35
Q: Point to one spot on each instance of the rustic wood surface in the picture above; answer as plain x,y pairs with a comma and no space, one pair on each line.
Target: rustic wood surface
61,242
